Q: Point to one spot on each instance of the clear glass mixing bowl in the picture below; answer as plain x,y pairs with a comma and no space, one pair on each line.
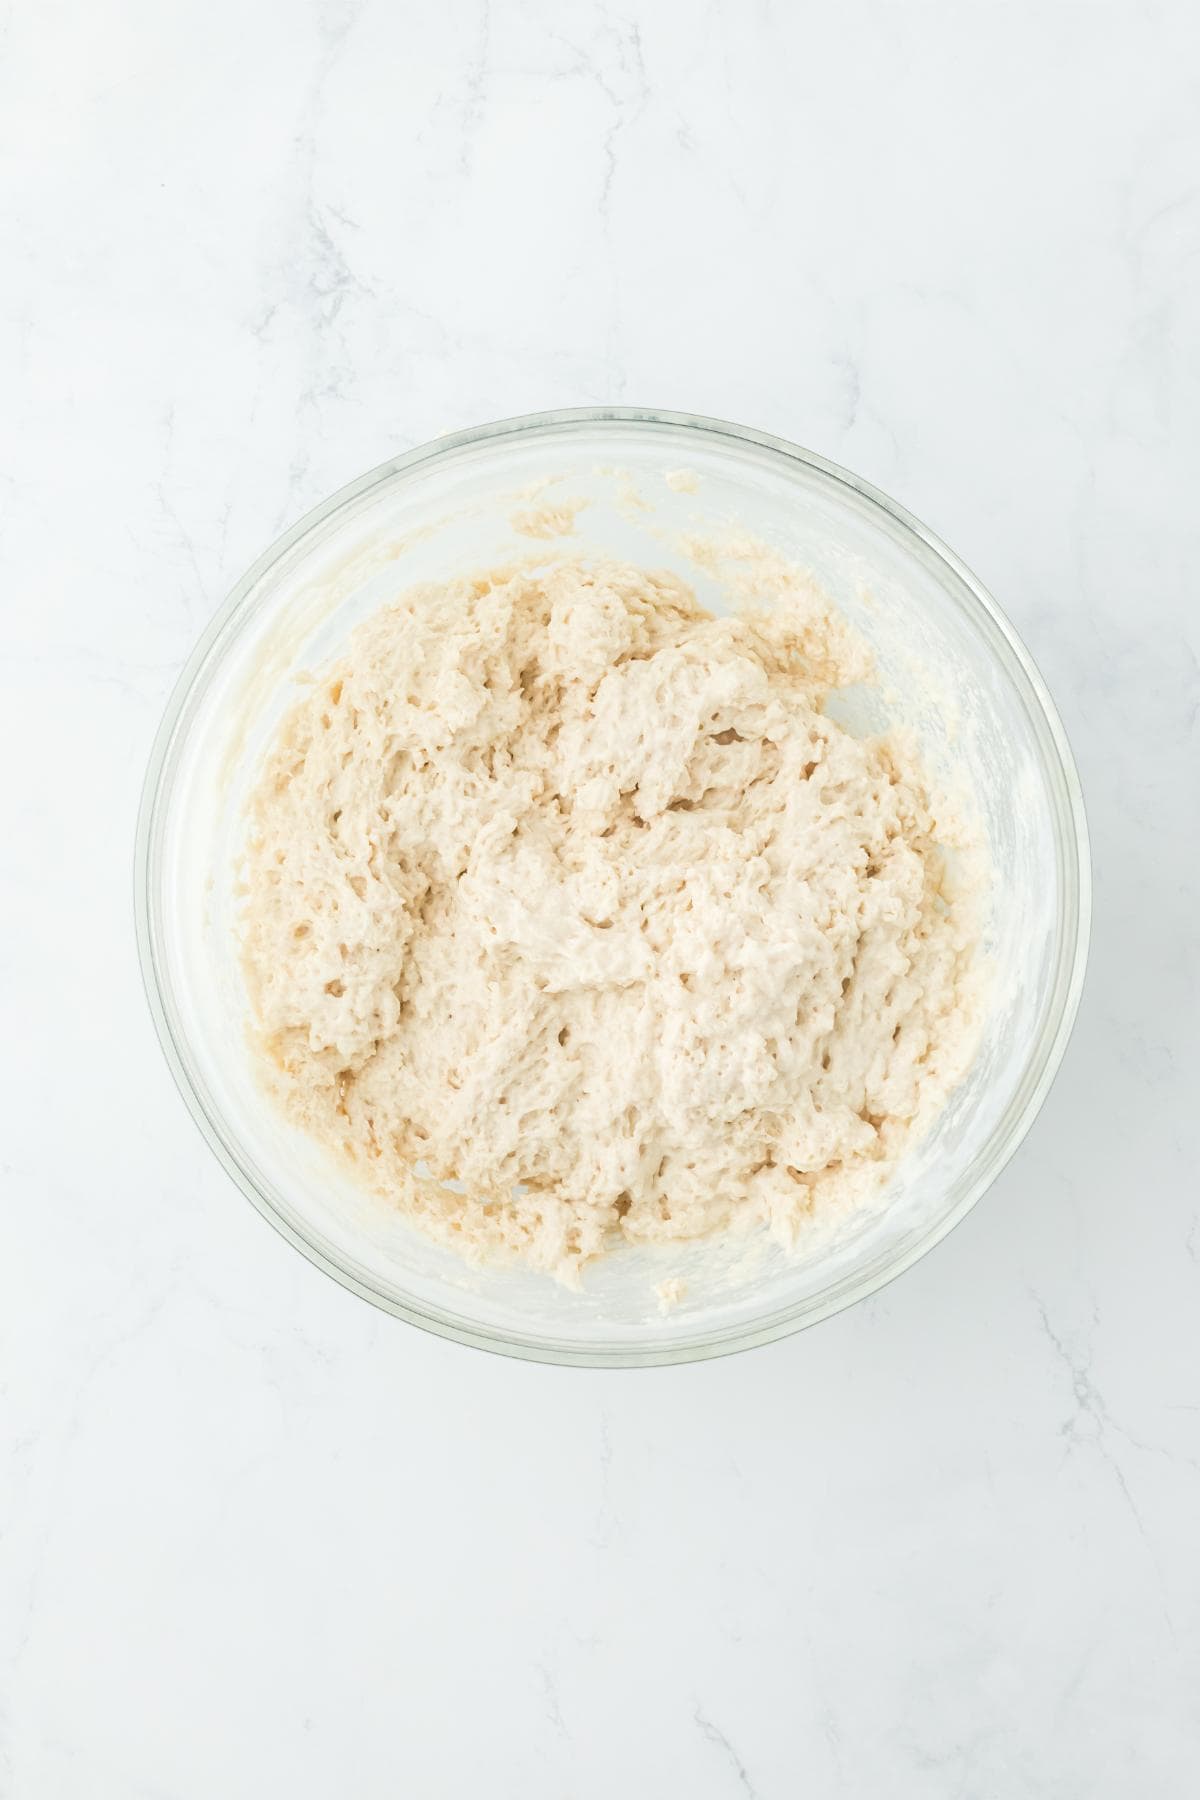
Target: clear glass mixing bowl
959,676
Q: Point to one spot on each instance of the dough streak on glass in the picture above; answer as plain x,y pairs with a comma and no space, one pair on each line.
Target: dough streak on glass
567,892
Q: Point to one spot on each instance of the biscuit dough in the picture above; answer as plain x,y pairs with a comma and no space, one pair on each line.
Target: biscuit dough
571,915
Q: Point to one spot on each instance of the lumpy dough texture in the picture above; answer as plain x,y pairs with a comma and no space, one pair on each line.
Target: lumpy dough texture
563,891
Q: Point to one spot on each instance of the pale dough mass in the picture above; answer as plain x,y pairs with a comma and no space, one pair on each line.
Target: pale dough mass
567,892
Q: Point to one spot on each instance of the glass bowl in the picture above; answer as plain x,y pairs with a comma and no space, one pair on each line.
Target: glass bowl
956,673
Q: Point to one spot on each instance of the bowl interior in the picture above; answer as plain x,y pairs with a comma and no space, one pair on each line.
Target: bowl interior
951,671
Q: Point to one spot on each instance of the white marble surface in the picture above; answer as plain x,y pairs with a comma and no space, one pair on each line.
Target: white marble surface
256,1539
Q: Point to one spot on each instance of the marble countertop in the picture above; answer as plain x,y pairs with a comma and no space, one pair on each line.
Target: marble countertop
257,1539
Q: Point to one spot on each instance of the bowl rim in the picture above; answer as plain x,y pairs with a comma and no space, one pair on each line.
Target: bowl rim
1072,844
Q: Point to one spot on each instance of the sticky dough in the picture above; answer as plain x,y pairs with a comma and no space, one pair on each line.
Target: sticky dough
563,891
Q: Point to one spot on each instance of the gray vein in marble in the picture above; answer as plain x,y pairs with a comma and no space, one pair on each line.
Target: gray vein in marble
714,1735
1091,1405
475,88
606,1521
625,85
319,274
550,1699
